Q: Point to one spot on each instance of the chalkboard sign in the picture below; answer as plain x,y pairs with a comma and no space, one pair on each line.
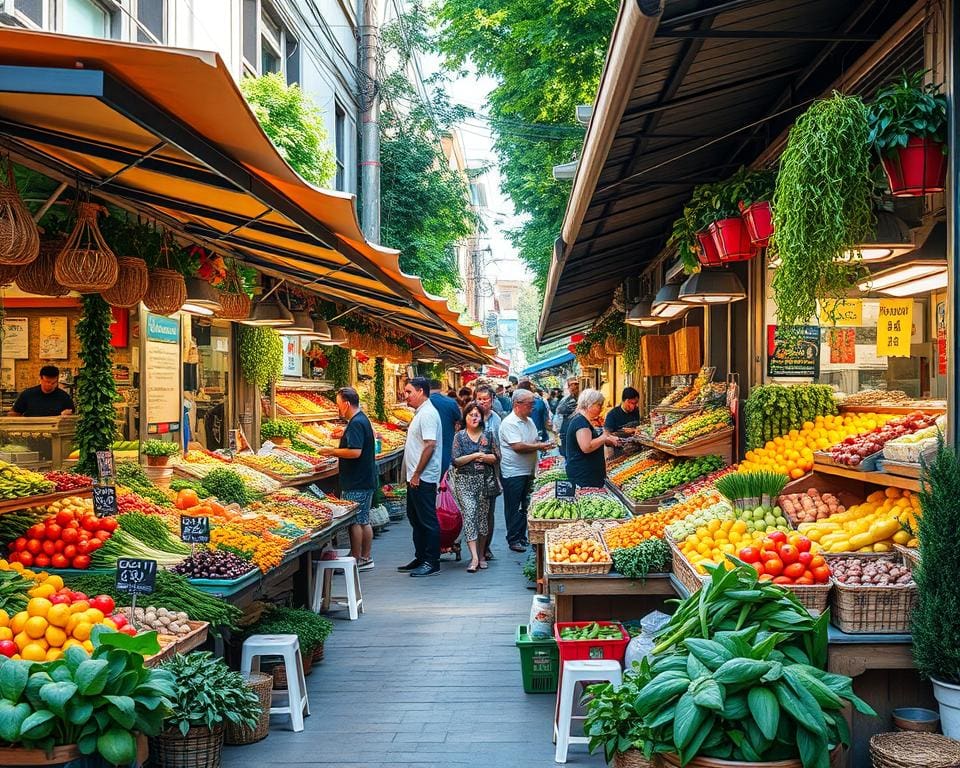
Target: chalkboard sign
104,500
105,466
135,576
194,530
566,489
793,351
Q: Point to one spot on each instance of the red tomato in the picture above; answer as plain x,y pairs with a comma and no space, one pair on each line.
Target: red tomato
778,536
34,546
42,561
70,551
804,580
789,554
794,571
806,558
782,580
59,597
108,524
8,648
49,548
59,561
69,535
14,557
64,517
774,566
36,531
817,562
128,630
78,596
90,523
83,547
749,555
102,535
93,545
119,619
20,544
26,558
821,574
768,554
103,603
53,532
802,543
81,562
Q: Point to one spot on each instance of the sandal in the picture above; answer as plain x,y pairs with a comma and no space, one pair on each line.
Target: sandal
483,566
472,568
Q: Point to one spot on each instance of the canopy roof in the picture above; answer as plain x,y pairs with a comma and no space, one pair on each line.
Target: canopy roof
687,96
554,361
166,132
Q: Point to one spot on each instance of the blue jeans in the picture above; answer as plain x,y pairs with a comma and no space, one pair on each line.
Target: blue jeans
363,499
516,499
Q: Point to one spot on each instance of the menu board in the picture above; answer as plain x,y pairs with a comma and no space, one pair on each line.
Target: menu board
135,576
163,389
794,351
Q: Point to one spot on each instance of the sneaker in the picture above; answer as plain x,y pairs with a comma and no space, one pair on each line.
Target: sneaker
411,566
518,547
365,565
426,570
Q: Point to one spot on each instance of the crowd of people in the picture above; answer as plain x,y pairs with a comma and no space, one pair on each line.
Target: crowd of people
485,442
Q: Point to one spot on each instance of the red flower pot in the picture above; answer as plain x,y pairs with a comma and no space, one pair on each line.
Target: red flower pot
759,220
918,169
732,240
707,253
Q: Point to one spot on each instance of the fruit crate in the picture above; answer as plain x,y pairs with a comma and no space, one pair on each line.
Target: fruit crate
585,530
539,662
577,650
867,609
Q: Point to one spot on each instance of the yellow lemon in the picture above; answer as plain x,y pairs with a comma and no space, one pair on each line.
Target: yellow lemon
82,631
35,627
6,633
59,615
55,581
94,615
38,606
87,646
42,590
22,640
55,636
4,618
53,654
34,652
70,642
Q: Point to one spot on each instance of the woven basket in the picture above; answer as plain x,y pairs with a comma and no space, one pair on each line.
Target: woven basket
131,283
8,273
632,758
542,524
913,749
911,556
262,685
200,748
37,276
317,656
19,237
614,346
234,306
582,569
815,597
279,672
86,264
876,610
684,570
166,291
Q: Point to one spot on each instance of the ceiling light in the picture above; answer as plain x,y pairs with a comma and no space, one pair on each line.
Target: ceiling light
320,329
269,312
923,285
338,337
712,286
642,315
908,272
302,324
667,302
201,294
892,237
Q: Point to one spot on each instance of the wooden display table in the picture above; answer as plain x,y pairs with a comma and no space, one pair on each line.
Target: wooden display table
611,594
719,442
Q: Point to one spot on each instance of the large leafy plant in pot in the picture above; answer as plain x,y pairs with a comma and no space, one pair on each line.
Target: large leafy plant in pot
908,125
691,233
822,206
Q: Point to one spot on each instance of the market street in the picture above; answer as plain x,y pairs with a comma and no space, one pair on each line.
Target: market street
428,676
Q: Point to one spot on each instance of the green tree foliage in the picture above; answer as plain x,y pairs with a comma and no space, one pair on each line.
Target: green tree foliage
547,56
294,124
96,388
529,304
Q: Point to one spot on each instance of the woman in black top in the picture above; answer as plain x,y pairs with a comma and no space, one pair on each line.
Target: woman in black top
585,461
475,455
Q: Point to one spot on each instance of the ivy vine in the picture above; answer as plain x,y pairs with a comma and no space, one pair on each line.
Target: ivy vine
338,366
261,355
96,387
631,350
379,390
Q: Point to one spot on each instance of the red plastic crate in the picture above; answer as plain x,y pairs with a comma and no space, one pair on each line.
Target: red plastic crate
576,650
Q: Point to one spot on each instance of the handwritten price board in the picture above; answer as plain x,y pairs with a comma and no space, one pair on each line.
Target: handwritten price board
565,489
104,500
194,530
136,576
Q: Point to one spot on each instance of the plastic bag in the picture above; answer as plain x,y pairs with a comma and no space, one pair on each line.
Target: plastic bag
641,646
449,517
542,616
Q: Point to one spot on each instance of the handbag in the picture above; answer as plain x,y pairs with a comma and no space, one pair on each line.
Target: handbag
491,483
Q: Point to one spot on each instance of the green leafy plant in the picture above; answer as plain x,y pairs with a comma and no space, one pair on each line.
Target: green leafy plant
208,693
822,206
905,109
160,448
379,390
649,556
311,629
286,429
937,615
631,350
338,367
96,387
97,701
530,569
261,355
773,410
228,487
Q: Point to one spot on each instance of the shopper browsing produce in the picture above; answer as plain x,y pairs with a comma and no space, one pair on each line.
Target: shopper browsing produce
476,454
45,399
565,411
584,442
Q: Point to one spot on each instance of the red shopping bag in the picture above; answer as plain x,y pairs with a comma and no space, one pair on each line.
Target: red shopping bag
448,514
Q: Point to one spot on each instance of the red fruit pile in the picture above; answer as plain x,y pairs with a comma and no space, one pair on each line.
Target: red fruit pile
103,603
786,559
68,481
856,448
63,540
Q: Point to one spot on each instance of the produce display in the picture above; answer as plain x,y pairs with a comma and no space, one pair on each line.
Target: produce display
910,448
690,524
284,466
637,466
65,537
711,543
854,450
328,433
68,481
881,572
673,473
163,621
228,485
877,397
594,506
592,631
792,453
694,426
213,565
550,476
577,551
637,562
787,559
18,482
810,506
774,410
751,493
307,403
705,483
548,462
886,518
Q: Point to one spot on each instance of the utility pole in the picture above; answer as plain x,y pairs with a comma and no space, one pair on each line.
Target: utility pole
370,124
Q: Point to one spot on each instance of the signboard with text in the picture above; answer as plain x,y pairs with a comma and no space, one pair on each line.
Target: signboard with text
793,351
894,327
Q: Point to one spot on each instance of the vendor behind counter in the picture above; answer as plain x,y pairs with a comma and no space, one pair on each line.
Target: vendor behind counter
45,399
626,414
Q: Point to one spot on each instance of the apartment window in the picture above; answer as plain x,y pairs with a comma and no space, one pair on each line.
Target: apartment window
32,10
87,18
340,142
151,17
293,60
271,45
478,195
251,14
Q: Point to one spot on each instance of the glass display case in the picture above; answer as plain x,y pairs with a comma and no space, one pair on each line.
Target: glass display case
37,442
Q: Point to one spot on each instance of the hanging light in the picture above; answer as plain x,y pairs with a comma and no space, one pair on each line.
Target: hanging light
269,312
891,238
667,303
338,337
641,315
202,298
320,329
712,286
302,324
908,279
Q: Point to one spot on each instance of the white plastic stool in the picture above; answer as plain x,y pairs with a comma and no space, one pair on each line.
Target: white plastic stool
323,584
288,648
575,672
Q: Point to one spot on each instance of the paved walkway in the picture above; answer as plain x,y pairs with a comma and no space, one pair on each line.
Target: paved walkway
429,676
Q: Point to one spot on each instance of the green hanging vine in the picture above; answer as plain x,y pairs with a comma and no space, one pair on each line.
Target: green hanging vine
338,366
96,388
631,350
261,355
379,390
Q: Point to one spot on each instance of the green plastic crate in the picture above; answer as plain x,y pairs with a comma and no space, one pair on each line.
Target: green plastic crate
539,662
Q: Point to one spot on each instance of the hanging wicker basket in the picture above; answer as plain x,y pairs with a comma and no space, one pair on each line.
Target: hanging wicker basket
131,283
614,345
19,237
8,273
166,292
234,306
86,264
37,276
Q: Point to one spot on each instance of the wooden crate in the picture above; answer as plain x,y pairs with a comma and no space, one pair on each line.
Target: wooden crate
655,355
685,351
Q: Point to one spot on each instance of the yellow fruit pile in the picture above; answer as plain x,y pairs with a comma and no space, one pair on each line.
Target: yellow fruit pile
50,584
45,630
718,538
874,526
577,551
792,454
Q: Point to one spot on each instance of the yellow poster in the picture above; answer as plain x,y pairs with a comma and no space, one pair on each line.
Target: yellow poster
841,313
894,326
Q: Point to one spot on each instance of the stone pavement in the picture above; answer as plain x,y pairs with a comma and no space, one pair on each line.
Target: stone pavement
428,677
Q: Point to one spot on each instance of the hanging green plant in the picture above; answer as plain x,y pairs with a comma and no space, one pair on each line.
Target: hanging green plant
338,366
261,355
379,390
822,206
631,352
96,388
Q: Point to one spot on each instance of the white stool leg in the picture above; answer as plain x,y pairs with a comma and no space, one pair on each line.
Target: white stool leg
356,576
565,712
316,593
249,663
303,683
295,690
350,582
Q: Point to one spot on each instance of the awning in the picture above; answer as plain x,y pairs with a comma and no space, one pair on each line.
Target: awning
167,132
688,97
556,361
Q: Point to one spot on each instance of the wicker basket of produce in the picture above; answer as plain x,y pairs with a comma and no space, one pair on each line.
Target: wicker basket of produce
86,264
131,283
37,276
575,550
913,749
237,735
632,758
19,237
911,555
166,292
814,597
875,595
684,570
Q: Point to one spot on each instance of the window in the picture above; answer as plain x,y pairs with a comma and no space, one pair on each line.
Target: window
271,45
31,10
293,60
340,141
250,16
150,15
87,18
478,195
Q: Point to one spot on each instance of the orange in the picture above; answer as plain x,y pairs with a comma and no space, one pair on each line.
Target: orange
53,654
94,615
22,639
43,590
59,615
35,627
6,633
34,652
38,606
4,618
55,636
82,631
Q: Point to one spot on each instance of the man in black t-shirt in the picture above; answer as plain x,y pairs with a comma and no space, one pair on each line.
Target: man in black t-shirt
624,414
358,471
46,399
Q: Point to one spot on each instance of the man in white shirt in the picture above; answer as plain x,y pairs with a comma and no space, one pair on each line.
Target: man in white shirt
421,462
519,444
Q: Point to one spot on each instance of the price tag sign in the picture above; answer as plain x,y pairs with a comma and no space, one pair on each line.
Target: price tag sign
135,576
105,466
194,530
565,489
104,500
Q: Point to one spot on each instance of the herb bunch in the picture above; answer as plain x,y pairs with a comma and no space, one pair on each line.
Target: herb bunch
649,556
209,694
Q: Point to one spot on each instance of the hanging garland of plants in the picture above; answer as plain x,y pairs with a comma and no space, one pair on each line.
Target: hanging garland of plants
631,350
822,206
261,355
96,387
379,390
338,366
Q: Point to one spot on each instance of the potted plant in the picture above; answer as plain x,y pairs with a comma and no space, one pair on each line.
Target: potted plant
755,207
279,431
158,452
738,676
207,696
936,618
822,206
311,630
97,705
908,124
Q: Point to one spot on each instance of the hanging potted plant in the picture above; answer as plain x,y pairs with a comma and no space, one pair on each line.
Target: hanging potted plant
729,232
908,123
936,618
755,207
158,452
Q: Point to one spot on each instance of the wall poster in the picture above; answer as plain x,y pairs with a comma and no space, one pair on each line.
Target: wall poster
163,399
794,351
54,334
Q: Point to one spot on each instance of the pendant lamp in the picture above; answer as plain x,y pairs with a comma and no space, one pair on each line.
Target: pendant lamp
712,286
667,303
269,312
891,238
202,298
641,315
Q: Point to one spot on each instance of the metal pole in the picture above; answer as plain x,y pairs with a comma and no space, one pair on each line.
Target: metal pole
953,229
370,125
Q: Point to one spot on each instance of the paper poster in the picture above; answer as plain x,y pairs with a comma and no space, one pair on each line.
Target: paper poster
942,338
53,338
292,359
793,351
841,313
894,327
16,338
163,388
842,343
8,377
